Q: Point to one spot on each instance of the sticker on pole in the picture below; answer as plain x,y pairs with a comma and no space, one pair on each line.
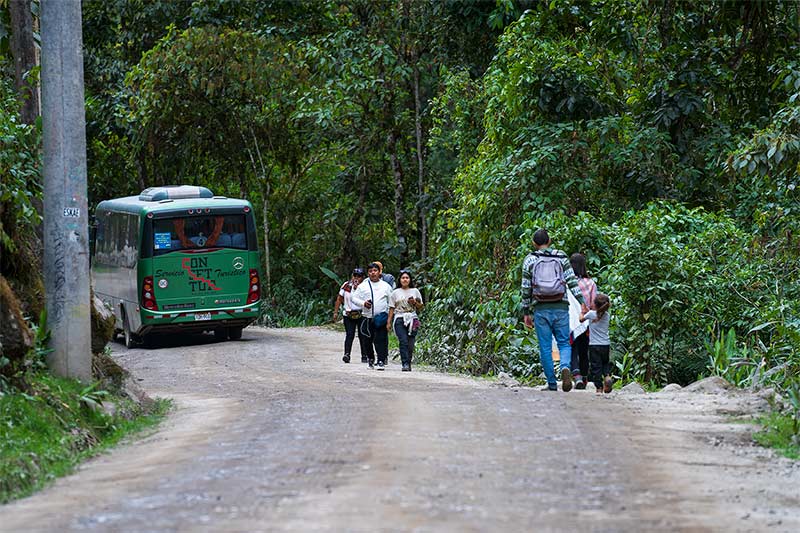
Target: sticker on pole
72,212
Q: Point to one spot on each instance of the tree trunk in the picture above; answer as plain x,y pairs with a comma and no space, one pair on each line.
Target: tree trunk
349,252
423,217
23,49
267,266
399,193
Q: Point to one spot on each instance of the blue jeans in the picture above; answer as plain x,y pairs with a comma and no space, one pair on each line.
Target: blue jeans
405,339
551,323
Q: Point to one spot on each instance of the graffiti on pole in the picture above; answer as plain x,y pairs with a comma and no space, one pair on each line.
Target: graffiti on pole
59,277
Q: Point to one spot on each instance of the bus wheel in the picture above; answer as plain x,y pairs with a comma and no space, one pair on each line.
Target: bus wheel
221,334
130,341
235,333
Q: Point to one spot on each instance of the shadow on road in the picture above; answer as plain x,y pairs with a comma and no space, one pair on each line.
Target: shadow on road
161,341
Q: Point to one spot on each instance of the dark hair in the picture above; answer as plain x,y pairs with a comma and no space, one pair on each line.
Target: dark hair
541,237
578,262
410,278
374,265
601,304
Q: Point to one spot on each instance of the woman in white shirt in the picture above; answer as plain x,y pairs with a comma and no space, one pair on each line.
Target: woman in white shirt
352,314
404,303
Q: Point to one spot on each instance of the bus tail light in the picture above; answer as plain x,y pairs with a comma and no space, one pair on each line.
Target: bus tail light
254,292
148,295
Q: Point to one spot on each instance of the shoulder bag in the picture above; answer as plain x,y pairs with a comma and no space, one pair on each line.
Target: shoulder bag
380,319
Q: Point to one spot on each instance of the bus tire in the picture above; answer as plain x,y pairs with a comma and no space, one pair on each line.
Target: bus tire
221,334
146,341
128,337
235,333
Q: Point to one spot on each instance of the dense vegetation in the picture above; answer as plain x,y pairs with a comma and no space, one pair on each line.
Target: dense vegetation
656,138
660,138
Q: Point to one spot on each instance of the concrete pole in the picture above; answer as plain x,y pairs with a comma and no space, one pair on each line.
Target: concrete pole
66,221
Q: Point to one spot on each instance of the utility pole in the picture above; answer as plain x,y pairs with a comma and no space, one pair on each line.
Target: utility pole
66,228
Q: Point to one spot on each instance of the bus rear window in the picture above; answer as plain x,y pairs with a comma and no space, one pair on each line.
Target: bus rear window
199,232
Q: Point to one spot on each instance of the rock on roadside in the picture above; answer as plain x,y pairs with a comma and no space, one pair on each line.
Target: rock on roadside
16,337
505,380
710,385
102,324
631,388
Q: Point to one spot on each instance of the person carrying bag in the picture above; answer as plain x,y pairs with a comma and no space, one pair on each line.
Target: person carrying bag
372,296
352,314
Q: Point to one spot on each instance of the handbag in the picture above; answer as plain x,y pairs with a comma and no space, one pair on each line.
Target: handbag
380,319
354,315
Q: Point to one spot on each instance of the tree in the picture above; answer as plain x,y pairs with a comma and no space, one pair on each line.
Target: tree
23,50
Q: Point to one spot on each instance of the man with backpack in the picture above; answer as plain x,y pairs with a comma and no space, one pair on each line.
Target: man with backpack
546,276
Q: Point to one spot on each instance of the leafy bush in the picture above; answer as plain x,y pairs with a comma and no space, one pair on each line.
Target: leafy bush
290,306
675,275
20,167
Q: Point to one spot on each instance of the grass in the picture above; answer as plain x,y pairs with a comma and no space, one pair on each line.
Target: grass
779,432
48,430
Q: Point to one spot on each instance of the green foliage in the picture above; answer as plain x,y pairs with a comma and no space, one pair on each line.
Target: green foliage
731,361
612,118
293,306
55,424
20,167
781,430
331,274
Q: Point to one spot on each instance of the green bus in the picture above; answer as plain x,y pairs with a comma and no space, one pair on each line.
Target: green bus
177,259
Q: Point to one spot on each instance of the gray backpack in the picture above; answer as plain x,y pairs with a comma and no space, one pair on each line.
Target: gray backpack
548,278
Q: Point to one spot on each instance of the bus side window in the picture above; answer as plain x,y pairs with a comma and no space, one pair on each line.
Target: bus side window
131,238
100,241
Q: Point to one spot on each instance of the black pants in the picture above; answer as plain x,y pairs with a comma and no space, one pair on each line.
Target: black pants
600,364
350,327
378,337
580,354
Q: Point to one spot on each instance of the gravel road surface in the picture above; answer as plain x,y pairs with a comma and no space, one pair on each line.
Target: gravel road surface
275,433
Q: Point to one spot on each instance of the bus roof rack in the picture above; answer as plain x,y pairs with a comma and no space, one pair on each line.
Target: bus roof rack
174,192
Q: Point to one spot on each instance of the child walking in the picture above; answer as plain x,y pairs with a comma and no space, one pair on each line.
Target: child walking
599,344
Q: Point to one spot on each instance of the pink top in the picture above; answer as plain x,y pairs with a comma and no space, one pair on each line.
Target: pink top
589,290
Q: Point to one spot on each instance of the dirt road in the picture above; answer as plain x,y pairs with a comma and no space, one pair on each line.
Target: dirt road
275,433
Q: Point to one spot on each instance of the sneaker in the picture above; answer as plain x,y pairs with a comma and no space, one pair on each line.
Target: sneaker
371,364
346,358
566,380
580,382
381,365
552,386
608,384
406,368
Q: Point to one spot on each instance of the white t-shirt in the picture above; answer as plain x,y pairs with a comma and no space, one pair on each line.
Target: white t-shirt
380,303
346,292
598,329
399,300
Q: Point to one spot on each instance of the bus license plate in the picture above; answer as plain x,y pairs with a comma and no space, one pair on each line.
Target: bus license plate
202,316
